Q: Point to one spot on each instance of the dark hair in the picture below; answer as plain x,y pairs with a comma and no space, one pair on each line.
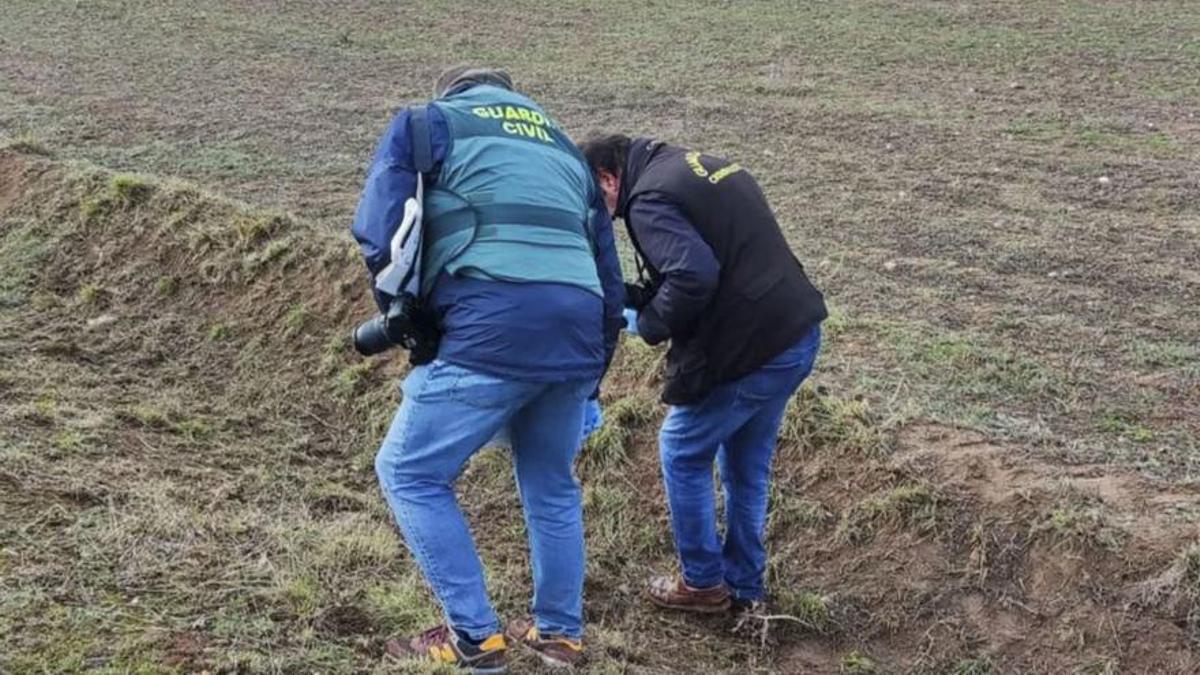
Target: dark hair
606,153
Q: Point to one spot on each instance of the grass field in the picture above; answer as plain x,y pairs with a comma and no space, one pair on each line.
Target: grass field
996,471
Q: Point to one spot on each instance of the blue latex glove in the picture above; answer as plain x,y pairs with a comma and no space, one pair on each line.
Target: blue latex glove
593,417
631,318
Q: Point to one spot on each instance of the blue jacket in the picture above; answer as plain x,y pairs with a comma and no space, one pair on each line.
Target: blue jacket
496,327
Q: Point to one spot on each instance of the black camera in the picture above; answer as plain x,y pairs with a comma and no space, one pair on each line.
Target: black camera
407,323
637,296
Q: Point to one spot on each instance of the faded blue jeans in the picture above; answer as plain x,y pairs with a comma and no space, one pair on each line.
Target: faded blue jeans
447,414
736,424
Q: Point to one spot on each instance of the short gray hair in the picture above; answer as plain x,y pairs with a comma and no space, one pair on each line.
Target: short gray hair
455,76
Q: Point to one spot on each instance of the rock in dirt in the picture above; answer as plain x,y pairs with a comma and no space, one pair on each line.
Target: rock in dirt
101,321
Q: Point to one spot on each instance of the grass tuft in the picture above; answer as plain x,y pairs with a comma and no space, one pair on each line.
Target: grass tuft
1078,520
29,145
1164,354
300,592
790,511
127,189
811,609
1124,425
350,379
256,227
90,294
294,320
147,415
194,430
402,606
166,286
857,663
274,250
69,441
610,445
817,421
911,505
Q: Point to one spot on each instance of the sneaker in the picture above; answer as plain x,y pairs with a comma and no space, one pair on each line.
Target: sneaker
555,651
443,645
674,593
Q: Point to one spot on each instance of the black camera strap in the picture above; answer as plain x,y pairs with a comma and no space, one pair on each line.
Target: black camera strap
422,139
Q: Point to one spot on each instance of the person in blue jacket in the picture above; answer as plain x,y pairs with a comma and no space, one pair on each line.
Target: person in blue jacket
520,272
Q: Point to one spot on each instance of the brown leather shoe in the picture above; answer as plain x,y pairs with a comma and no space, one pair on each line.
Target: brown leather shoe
673,593
442,645
555,651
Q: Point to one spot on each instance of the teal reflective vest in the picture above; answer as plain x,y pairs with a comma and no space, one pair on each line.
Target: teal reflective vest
511,202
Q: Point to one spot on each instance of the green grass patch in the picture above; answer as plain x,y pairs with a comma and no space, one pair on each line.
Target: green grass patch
219,332
27,144
273,251
351,378
301,592
911,505
24,247
127,190
858,663
1125,425
69,441
815,421
401,606
790,511
1093,135
1164,354
255,227
610,445
295,319
90,294
166,286
147,415
810,609
194,430
1078,520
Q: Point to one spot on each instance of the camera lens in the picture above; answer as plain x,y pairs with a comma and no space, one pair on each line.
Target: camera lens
371,337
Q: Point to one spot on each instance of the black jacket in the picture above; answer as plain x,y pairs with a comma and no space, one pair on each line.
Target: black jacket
761,303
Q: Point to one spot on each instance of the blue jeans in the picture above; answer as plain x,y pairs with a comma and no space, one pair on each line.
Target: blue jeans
737,424
447,414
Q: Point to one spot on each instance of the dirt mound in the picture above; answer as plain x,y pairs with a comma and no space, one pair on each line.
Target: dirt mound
186,444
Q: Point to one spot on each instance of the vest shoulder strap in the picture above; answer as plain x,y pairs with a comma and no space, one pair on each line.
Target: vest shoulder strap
422,140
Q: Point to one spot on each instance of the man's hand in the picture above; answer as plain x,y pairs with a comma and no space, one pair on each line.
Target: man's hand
631,319
593,417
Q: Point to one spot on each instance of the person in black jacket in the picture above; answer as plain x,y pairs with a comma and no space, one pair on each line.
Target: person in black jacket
717,279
